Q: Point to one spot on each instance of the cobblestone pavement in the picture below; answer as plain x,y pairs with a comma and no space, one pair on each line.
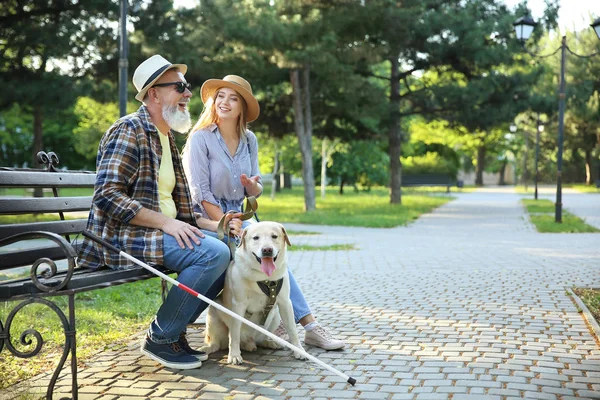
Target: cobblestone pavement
468,302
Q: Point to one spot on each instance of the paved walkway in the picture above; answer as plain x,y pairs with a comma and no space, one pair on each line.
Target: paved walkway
468,302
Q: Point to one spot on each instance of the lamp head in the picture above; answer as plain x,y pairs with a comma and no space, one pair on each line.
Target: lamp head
524,27
596,26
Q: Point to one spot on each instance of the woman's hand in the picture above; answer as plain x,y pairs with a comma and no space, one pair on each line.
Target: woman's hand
233,221
249,183
253,188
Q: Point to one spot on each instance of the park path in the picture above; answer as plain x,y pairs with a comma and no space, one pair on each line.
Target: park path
468,302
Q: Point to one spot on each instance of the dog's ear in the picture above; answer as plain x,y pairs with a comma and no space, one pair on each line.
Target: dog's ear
243,239
285,236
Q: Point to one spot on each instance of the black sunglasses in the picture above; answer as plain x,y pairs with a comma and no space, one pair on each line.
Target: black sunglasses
181,86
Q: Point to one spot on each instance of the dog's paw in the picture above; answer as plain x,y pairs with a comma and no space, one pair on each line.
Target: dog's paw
300,356
270,344
209,349
235,359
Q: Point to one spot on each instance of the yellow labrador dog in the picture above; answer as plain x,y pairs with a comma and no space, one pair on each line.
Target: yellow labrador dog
257,274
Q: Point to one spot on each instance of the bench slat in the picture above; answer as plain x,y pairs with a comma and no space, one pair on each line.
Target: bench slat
19,258
58,227
18,205
46,179
83,279
426,180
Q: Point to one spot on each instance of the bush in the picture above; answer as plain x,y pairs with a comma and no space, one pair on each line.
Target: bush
430,163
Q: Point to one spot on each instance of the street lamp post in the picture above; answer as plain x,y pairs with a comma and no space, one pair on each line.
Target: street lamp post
123,63
524,28
540,129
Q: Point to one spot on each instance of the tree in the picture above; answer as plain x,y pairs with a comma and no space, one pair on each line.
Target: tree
359,163
289,48
47,47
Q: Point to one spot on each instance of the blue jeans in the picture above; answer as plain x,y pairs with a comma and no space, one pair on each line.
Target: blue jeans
299,303
200,269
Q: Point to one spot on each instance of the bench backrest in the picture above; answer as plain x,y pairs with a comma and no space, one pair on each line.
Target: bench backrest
426,179
27,254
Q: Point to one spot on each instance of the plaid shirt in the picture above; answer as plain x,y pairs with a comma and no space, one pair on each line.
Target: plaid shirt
127,169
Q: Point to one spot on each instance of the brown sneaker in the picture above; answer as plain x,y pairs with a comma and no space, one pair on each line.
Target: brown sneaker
320,337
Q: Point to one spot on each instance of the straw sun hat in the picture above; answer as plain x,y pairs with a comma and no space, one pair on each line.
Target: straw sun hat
148,72
238,84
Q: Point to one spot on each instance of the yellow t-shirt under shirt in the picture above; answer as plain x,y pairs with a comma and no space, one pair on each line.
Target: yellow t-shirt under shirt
166,179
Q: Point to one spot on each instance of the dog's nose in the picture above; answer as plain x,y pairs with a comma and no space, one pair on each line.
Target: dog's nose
267,252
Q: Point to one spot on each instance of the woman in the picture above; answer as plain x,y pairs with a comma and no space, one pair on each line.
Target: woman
220,159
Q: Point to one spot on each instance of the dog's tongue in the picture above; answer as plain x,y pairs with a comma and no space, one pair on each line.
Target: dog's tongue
267,265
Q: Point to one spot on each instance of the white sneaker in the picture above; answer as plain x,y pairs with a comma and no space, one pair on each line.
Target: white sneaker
281,332
320,337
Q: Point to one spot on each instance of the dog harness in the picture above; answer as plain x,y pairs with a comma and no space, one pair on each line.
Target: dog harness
271,289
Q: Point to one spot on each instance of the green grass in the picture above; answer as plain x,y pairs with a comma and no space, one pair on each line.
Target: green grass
365,209
538,206
591,298
580,187
331,247
301,233
66,192
541,213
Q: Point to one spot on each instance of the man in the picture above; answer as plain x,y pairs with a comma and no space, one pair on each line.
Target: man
142,205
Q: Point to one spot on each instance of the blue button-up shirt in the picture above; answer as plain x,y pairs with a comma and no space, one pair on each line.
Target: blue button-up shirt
213,173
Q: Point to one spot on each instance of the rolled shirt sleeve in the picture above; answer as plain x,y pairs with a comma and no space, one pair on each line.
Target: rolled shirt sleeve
253,148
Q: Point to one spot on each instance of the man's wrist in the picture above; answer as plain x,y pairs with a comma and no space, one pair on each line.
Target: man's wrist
163,223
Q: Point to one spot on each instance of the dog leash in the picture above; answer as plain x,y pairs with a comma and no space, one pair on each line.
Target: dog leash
251,207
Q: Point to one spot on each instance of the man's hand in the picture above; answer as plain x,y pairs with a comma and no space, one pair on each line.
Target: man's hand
182,232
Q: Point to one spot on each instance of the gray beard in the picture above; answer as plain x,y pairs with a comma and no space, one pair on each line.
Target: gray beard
179,121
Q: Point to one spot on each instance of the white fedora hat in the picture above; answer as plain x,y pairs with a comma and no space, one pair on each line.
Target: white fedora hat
238,84
148,72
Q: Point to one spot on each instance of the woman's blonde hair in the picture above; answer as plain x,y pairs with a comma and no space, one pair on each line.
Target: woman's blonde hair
209,116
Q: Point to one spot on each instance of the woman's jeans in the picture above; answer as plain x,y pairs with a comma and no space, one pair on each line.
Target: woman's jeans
201,269
299,304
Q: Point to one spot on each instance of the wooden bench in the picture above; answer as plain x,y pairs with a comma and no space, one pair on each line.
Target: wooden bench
428,180
44,279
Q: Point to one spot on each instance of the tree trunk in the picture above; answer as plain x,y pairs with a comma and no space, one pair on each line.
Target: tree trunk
342,185
275,174
589,179
301,99
38,141
324,157
525,176
502,180
395,137
480,165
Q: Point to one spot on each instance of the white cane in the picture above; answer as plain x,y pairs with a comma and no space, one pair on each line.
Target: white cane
251,324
